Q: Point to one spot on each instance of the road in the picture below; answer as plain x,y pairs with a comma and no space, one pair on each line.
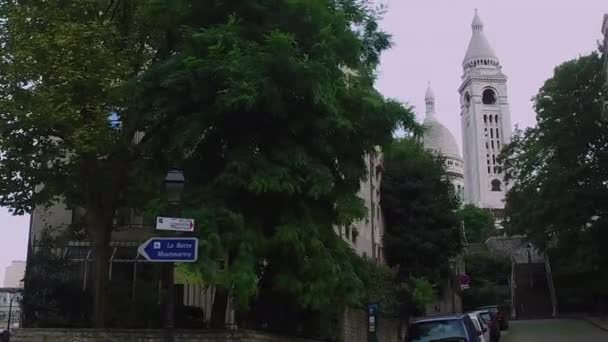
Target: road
554,330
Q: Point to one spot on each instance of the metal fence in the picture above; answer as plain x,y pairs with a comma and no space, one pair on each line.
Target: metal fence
131,273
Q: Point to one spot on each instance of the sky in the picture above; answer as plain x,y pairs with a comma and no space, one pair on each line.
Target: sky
430,39
530,38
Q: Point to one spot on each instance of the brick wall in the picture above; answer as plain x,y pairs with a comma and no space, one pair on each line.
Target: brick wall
143,335
354,327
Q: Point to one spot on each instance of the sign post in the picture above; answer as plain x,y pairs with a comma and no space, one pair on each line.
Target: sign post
170,249
372,322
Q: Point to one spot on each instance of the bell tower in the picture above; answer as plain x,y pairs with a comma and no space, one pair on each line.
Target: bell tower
485,122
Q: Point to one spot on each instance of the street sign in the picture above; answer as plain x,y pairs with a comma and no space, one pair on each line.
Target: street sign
464,281
175,224
170,249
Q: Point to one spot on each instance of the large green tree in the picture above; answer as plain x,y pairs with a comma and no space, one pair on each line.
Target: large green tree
478,223
278,108
419,205
68,121
559,168
268,106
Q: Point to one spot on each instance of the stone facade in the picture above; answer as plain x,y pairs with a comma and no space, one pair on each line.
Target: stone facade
354,327
14,273
365,236
94,335
10,302
485,121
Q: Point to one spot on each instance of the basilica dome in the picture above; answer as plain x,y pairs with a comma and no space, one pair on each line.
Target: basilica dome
439,139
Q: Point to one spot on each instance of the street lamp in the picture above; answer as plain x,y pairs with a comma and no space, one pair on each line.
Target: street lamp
174,186
452,263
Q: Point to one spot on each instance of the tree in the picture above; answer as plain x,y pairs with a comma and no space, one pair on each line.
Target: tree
277,111
68,117
422,228
559,168
478,223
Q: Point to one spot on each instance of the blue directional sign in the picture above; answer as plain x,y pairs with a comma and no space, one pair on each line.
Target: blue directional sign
170,249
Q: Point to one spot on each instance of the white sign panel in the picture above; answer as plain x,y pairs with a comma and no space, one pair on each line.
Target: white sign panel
175,224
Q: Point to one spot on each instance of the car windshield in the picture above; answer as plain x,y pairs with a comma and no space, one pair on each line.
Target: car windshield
436,330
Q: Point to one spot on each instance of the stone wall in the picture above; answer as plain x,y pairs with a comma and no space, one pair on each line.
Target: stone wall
354,327
143,335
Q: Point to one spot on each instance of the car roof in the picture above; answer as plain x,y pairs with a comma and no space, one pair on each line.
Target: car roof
488,307
477,312
438,318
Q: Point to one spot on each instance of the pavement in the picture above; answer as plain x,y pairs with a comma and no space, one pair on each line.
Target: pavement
553,330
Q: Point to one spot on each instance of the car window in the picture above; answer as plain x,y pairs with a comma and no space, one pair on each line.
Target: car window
434,330
486,316
473,332
476,323
482,322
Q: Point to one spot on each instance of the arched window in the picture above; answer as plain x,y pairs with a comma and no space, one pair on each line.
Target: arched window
488,97
496,185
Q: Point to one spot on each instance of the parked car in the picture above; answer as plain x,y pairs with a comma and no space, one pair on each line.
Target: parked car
452,328
481,326
491,320
502,314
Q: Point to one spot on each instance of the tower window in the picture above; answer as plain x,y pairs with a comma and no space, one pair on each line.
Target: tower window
488,97
492,144
491,133
489,168
496,185
497,133
467,98
496,118
485,119
490,118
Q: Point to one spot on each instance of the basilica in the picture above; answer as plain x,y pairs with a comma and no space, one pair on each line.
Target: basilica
477,176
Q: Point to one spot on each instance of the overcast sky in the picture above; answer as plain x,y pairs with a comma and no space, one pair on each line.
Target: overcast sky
529,37
430,38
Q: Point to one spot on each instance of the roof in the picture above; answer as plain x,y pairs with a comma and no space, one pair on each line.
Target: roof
479,46
439,138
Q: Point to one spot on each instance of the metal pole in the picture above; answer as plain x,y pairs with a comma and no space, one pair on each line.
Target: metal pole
170,309
10,311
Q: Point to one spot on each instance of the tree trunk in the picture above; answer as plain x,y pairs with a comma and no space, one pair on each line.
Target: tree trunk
220,304
101,234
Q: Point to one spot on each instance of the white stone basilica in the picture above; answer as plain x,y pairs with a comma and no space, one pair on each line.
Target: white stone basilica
485,123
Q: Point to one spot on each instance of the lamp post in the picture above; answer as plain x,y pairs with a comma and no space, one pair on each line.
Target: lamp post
174,186
452,287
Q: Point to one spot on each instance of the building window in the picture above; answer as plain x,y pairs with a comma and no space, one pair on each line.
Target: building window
467,99
488,97
347,232
354,235
496,185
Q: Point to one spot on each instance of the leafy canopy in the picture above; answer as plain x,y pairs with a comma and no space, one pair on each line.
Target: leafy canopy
276,107
422,228
478,223
559,167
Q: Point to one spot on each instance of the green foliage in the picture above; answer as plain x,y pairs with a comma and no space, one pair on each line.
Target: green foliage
559,166
255,82
478,223
380,286
53,295
558,169
490,275
423,292
422,228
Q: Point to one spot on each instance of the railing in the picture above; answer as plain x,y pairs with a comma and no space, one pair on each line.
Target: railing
551,286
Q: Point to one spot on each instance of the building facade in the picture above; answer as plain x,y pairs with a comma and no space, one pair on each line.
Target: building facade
485,122
10,308
605,56
438,139
13,274
365,236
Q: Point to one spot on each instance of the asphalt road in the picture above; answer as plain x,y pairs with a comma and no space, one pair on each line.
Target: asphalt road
554,330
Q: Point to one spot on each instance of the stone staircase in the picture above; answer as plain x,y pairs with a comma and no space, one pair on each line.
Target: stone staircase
532,296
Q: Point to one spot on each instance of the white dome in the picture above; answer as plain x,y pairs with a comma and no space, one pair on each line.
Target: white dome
438,138
479,47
